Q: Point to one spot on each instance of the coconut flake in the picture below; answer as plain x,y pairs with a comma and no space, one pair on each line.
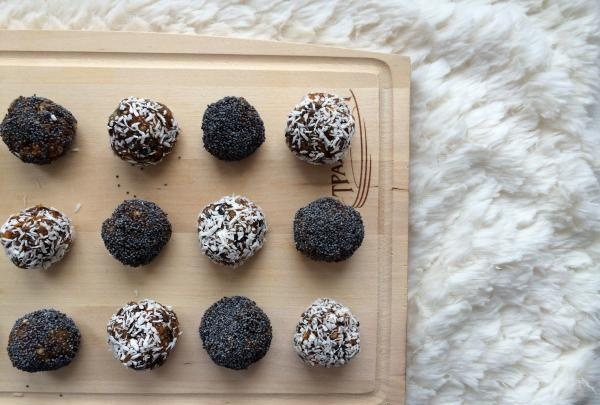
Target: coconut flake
231,230
320,128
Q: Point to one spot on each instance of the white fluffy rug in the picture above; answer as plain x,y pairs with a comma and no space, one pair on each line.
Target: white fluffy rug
505,243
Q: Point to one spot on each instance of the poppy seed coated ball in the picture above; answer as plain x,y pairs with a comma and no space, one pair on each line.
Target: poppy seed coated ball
235,332
232,129
43,340
328,230
136,232
37,130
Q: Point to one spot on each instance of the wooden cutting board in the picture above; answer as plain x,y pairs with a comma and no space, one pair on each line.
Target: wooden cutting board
89,73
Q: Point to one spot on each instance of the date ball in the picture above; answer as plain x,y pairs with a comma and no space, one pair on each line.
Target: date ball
233,129
231,230
37,237
320,128
327,334
43,340
37,130
235,332
328,230
136,232
142,131
142,334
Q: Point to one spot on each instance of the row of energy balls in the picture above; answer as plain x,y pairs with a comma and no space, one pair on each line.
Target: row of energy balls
235,331
143,131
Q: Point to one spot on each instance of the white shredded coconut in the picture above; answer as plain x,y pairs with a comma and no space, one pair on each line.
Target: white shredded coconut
137,141
231,230
37,237
320,128
134,339
327,334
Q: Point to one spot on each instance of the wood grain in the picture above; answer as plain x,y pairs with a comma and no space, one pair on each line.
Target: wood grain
89,73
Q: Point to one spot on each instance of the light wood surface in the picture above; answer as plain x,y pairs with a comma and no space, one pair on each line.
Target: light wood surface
89,73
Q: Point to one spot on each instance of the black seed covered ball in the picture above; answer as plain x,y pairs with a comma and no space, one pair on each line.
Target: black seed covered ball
328,230
235,332
37,130
233,129
136,232
43,340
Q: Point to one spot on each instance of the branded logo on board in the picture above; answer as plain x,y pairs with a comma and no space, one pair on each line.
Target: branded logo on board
351,177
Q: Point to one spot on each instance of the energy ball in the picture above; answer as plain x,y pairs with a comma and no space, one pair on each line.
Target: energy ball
328,230
136,232
142,131
43,340
233,129
142,334
235,332
37,237
37,130
320,128
327,334
231,230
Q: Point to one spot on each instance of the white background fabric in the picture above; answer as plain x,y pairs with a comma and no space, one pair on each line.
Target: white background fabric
505,218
